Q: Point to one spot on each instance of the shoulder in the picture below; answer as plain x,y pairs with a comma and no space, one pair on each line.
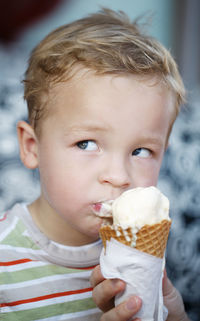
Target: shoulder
9,219
7,215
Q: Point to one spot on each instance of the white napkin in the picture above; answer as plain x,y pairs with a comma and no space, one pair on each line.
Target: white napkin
143,276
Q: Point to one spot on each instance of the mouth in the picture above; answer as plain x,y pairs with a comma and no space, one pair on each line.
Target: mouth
97,207
103,209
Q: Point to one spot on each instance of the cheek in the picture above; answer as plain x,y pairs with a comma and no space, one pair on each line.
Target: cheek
63,183
146,174
149,181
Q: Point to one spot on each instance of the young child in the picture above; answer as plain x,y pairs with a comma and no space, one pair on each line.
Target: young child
102,99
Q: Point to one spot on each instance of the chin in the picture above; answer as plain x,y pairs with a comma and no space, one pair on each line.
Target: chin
94,232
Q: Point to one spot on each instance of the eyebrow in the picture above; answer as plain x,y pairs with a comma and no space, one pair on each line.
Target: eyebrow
151,139
92,127
88,127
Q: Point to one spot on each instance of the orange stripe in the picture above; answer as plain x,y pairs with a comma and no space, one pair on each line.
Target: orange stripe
29,260
46,297
15,262
4,217
83,268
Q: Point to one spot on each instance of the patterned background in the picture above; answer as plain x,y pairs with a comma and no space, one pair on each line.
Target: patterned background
179,178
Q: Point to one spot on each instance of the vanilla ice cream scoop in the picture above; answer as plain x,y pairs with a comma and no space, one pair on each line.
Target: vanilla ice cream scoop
140,206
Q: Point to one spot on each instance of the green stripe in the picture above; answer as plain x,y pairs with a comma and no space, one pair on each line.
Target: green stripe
16,238
50,310
35,273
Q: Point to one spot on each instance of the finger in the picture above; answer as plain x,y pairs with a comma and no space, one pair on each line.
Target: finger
124,311
96,276
167,285
173,301
105,291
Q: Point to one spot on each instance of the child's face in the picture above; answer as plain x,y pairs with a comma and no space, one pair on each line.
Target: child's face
103,135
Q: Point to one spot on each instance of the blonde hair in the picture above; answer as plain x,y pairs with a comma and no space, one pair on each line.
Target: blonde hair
105,42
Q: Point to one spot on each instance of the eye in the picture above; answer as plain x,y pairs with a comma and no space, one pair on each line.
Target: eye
89,145
141,152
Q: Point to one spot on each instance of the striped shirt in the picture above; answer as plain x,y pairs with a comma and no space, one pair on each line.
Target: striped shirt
41,279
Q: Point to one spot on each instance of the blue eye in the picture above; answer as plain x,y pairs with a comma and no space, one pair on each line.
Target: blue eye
141,152
89,145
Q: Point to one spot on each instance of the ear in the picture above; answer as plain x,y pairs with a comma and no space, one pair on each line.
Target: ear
27,144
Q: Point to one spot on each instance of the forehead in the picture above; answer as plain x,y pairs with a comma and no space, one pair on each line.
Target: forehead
86,92
107,103
84,81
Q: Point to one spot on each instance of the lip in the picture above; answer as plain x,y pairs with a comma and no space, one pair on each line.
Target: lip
102,208
97,207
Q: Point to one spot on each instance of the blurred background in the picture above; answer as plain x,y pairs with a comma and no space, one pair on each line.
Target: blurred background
176,23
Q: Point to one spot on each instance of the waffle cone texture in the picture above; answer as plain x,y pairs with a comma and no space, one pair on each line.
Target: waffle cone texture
151,239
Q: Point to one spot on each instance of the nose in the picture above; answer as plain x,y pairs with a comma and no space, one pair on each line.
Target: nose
115,173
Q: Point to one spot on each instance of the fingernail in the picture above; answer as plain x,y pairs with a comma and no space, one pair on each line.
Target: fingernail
132,304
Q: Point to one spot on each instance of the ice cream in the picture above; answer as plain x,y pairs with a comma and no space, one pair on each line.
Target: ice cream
140,206
140,219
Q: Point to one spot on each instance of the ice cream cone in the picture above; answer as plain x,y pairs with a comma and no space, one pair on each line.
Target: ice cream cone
151,239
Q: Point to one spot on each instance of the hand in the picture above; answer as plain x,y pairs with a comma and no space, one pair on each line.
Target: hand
173,301
103,294
105,290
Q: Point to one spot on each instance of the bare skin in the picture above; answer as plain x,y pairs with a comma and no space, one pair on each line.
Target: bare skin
105,290
108,289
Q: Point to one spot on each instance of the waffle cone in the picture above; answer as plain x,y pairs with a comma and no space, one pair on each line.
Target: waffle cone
151,239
